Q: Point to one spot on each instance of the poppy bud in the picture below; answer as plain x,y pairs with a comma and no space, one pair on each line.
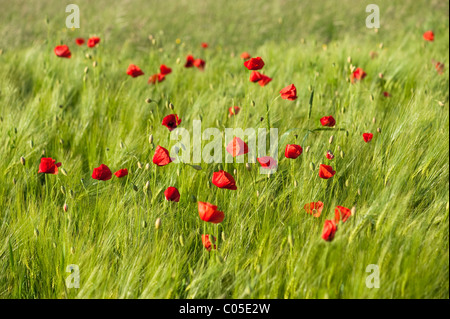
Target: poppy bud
171,106
31,144
121,145
353,210
342,154
178,172
71,193
253,103
178,61
61,141
339,148
381,45
379,130
235,171
307,149
135,188
146,186
223,236
72,250
349,59
14,181
63,190
261,119
63,171
257,193
147,166
88,56
331,139
36,232
94,64
86,70
312,166
144,224
374,120
158,223
196,167
359,191
22,160
139,164
65,207
347,182
150,139
371,97
248,167
181,241
295,183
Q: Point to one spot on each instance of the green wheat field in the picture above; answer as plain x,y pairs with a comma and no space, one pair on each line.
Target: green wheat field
128,241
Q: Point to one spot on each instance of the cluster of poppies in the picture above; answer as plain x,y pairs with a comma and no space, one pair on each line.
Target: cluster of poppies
63,51
237,147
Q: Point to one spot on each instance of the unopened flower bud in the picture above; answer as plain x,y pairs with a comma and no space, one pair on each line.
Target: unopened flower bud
248,167
65,207
158,223
331,139
22,160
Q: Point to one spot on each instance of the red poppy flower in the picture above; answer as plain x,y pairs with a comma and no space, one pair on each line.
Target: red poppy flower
367,137
329,230
223,179
207,242
314,209
386,94
171,121
245,56
439,67
341,213
156,78
172,194
237,147
234,110
161,156
48,166
293,151
189,61
164,69
267,162
63,51
329,155
255,76
209,213
121,172
357,75
326,171
289,93
79,41
134,71
428,36
102,173
328,121
92,42
264,80
204,45
199,63
254,64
